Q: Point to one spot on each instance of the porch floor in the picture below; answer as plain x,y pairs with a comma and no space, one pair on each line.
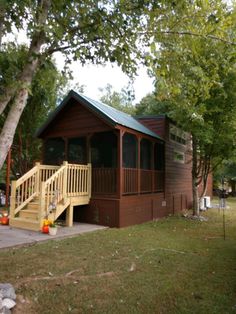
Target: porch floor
13,237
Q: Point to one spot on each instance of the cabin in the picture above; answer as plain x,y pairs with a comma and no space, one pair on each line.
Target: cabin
102,166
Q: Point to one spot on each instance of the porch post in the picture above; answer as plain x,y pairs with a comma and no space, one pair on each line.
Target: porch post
139,164
153,166
119,180
69,216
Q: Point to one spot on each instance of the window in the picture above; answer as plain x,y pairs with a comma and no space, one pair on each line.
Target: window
159,156
145,155
178,135
54,151
179,157
77,150
130,149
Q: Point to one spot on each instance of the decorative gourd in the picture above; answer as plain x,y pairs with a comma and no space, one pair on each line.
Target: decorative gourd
45,229
5,220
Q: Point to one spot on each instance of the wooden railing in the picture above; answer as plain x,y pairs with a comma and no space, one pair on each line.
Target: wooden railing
130,181
146,181
79,180
45,172
51,184
104,180
53,191
24,190
150,181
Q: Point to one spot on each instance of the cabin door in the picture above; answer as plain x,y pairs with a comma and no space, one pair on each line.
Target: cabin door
76,150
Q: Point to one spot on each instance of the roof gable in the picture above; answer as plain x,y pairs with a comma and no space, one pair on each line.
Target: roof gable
111,115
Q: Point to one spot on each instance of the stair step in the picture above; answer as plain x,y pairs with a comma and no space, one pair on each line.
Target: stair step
33,205
29,214
23,223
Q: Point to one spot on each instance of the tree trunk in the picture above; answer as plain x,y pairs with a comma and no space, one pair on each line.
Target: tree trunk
195,178
26,77
233,187
19,103
5,99
8,131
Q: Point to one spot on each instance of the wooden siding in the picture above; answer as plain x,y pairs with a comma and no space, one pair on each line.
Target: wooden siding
156,124
125,212
178,177
137,209
74,120
100,211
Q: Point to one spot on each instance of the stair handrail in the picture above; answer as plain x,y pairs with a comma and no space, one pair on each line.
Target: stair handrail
24,190
57,183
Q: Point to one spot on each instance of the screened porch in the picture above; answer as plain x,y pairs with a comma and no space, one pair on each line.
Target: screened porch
123,163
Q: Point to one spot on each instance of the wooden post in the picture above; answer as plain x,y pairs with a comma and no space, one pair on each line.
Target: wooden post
69,216
139,164
37,183
8,178
153,166
89,180
42,204
13,199
65,178
119,181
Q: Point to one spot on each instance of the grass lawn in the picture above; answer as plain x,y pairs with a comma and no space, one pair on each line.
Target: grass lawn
174,265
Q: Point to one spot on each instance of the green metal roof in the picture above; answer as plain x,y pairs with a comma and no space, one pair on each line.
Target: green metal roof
111,115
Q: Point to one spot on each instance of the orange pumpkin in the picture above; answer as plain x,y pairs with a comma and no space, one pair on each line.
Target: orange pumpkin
5,220
45,229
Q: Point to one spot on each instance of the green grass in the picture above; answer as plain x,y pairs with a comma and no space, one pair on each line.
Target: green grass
174,265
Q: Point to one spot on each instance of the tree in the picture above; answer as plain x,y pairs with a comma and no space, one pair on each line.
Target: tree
121,101
96,32
88,31
151,104
46,85
196,79
226,171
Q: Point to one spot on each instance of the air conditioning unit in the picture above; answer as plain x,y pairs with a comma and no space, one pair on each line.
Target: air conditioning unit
205,203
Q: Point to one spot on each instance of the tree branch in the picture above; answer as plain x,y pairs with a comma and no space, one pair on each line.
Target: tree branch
188,33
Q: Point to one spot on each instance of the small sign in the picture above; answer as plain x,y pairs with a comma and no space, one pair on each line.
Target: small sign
163,203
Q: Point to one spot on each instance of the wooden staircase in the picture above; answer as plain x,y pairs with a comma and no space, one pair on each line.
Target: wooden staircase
46,192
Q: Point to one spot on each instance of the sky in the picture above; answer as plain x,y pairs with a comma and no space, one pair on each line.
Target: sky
94,77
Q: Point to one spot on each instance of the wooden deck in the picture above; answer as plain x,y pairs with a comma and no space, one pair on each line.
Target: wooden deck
46,192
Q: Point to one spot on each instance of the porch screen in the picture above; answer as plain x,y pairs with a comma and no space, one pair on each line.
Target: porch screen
104,150
104,163
77,150
54,151
146,154
129,151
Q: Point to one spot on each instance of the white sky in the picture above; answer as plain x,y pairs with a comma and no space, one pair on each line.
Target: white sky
94,77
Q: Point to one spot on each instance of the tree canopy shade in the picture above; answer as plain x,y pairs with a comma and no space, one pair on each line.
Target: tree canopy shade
97,31
195,79
88,31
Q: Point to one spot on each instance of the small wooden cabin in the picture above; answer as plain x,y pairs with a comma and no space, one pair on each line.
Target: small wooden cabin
141,167
106,167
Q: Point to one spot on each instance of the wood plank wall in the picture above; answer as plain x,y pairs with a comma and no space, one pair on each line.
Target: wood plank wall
74,120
